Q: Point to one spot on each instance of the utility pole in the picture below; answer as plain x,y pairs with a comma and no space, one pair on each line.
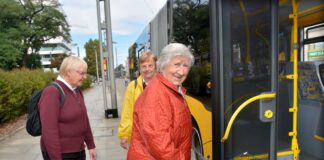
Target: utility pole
101,57
78,51
116,56
95,50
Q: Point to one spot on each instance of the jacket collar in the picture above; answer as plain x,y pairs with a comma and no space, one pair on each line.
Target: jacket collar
170,85
139,82
66,83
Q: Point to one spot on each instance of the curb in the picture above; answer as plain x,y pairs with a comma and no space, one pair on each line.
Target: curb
10,134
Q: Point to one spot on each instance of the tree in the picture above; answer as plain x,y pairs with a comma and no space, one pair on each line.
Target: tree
119,70
34,61
10,56
10,34
91,47
25,25
57,60
41,23
191,25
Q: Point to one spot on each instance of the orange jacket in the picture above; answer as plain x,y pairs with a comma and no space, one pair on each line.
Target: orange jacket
161,124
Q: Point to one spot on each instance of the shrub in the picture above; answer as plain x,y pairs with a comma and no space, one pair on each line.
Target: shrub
86,83
15,88
18,85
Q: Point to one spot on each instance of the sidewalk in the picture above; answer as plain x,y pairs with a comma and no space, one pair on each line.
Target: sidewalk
21,146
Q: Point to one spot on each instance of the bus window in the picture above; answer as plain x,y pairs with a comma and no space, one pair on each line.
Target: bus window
321,75
313,48
191,27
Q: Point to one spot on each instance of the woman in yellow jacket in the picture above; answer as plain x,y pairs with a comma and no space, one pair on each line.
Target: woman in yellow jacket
147,69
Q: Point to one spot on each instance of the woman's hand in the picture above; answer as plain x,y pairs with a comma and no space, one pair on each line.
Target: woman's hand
124,143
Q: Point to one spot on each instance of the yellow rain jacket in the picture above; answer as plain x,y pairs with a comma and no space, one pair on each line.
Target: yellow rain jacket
131,94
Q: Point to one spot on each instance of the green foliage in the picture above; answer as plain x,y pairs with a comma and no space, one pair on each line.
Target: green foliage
86,83
43,22
10,34
191,26
16,87
56,61
27,24
119,70
34,61
92,47
198,78
9,56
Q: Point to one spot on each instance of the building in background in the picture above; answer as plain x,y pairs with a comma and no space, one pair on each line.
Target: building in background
53,49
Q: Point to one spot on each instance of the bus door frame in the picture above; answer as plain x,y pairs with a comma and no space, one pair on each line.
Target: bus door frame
217,50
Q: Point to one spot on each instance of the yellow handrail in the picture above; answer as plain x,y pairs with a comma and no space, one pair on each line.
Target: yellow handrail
294,108
240,108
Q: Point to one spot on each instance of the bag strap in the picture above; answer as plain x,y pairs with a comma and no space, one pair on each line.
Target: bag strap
135,83
60,89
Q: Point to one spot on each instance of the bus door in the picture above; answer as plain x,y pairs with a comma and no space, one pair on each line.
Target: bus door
245,79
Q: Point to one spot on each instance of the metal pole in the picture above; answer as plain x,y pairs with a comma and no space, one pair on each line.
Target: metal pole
274,77
113,109
97,65
78,51
101,57
217,51
116,56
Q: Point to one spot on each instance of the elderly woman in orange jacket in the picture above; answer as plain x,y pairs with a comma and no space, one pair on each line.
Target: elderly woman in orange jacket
161,121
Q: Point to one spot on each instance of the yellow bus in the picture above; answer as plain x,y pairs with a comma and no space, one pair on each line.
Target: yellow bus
256,90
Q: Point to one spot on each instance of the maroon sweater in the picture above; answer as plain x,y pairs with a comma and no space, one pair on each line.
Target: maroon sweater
66,128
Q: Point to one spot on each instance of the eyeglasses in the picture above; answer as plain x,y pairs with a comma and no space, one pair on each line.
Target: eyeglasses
81,73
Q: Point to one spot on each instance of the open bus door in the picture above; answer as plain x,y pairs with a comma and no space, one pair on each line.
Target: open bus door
255,113
245,77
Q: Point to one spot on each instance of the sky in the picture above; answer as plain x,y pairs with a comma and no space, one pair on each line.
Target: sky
128,20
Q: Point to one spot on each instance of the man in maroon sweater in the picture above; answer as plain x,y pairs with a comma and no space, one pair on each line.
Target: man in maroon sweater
66,129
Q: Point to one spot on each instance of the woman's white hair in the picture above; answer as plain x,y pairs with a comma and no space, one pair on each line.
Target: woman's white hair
172,50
